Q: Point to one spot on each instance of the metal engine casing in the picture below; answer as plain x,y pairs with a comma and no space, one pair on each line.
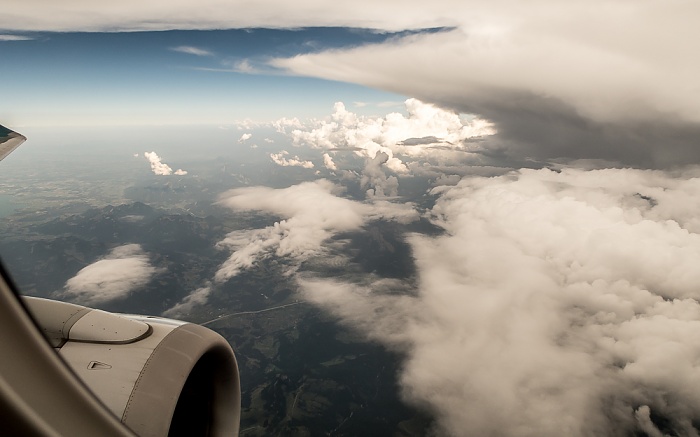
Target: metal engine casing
160,377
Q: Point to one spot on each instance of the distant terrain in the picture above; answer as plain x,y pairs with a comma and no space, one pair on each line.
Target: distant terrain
301,372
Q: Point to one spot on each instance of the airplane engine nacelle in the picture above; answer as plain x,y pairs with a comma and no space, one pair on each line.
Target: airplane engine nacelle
161,377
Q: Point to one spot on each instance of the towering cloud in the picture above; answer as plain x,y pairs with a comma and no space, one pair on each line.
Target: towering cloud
427,133
160,168
374,178
124,270
553,88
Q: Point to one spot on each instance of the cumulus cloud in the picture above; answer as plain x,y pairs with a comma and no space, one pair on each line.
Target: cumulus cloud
279,159
124,270
393,134
192,300
418,143
311,212
374,178
192,51
284,123
159,168
245,137
328,162
555,303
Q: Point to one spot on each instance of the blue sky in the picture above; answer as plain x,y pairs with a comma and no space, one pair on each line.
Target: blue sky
172,77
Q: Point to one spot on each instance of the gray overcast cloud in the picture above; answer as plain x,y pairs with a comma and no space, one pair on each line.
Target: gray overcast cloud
613,81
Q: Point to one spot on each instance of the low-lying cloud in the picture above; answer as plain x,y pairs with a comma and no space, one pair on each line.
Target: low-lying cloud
312,214
124,270
189,302
160,168
555,303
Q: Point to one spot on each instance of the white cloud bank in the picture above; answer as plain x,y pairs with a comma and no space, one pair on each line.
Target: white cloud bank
427,132
160,168
122,271
312,214
554,304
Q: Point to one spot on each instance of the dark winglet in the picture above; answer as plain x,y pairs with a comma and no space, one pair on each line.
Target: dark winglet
9,141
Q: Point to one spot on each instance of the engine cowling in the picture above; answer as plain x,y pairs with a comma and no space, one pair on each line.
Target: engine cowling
161,377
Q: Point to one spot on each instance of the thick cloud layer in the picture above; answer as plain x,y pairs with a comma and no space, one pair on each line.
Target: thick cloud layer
123,271
312,214
554,304
559,80
217,14
159,168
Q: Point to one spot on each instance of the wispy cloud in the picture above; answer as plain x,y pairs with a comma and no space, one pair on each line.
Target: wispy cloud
190,50
6,37
245,66
198,297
